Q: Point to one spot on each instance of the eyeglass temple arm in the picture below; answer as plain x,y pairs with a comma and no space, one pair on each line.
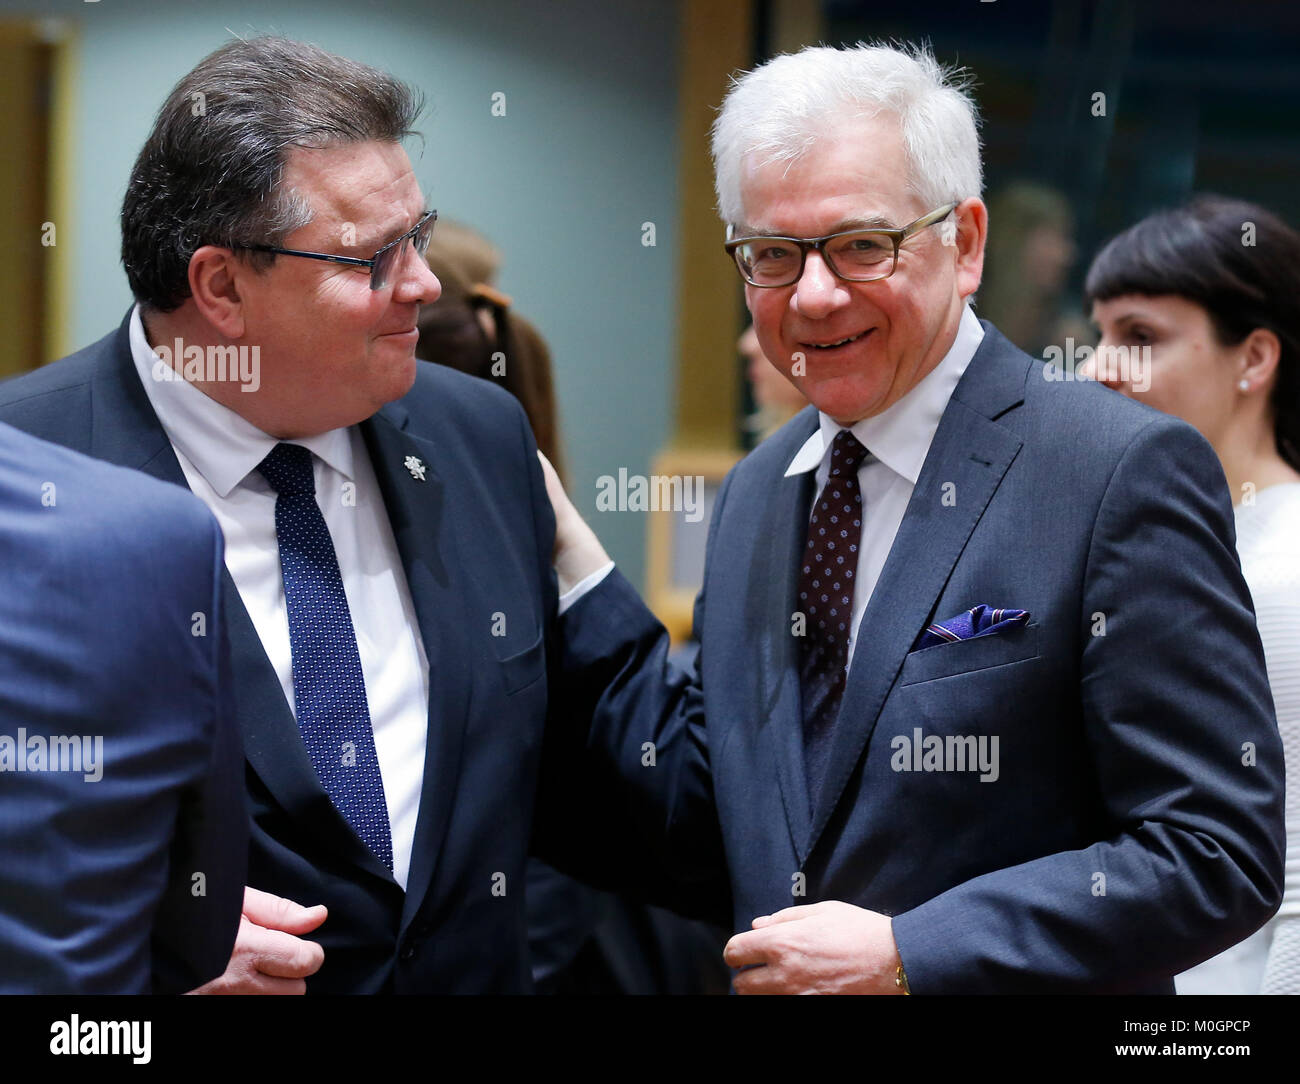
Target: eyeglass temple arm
937,215
351,260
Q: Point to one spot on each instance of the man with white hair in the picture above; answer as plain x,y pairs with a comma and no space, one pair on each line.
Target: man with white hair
980,703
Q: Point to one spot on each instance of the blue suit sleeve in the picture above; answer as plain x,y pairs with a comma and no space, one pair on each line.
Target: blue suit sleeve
1179,727
199,914
632,726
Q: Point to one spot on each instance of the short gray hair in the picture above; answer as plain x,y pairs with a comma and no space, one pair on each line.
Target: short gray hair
211,171
778,111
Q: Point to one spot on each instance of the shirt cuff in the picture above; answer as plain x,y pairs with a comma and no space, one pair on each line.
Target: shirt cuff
583,586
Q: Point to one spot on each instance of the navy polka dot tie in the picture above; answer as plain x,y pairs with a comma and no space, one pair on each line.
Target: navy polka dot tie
826,573
329,690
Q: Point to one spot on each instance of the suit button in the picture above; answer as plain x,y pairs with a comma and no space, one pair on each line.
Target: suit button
408,953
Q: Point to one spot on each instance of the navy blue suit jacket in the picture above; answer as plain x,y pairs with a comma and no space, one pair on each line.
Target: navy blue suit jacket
123,870
1134,826
475,539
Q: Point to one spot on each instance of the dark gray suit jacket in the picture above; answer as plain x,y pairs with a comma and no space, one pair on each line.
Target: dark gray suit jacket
1134,826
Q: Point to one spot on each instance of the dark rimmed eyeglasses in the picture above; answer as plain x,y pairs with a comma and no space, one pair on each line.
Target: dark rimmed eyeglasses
852,255
381,264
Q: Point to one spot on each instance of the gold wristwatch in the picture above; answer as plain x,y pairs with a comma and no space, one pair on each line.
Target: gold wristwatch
900,980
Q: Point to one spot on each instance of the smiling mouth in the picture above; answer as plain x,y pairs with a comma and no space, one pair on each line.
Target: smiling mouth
838,342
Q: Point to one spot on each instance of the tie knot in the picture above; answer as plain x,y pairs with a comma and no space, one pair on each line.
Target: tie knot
288,470
847,454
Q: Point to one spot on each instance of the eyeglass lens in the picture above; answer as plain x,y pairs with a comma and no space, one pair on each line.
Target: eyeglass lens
393,255
772,261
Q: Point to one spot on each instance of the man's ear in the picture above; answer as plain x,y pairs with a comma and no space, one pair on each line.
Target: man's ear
972,222
216,277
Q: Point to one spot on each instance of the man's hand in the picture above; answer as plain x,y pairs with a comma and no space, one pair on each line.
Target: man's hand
267,958
822,948
578,552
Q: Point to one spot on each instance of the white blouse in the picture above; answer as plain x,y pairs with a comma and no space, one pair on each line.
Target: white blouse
1268,543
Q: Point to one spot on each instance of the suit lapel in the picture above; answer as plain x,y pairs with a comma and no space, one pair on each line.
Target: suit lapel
781,537
967,460
426,543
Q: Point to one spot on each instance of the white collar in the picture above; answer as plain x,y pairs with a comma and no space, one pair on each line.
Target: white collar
900,435
223,446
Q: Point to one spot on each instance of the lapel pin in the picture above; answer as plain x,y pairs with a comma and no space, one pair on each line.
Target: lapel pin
416,466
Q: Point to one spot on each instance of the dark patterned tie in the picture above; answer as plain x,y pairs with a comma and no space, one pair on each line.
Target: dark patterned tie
826,574
329,690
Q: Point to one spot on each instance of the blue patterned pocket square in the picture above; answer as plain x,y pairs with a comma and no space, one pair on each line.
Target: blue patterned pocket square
979,620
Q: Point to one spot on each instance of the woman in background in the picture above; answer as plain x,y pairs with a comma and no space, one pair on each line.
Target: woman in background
1027,263
1213,289
472,327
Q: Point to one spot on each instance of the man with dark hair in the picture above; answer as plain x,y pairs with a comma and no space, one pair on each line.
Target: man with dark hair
122,825
389,539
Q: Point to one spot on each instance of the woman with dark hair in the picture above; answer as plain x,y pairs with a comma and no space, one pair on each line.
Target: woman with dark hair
472,327
1203,304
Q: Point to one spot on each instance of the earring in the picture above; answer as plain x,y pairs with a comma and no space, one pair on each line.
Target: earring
1243,384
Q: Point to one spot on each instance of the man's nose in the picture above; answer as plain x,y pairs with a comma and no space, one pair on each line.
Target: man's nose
415,281
818,292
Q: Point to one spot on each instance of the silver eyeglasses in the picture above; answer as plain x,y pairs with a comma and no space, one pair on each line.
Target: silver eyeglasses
381,264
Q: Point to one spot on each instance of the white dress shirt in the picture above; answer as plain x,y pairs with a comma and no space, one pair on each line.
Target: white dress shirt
219,452
898,439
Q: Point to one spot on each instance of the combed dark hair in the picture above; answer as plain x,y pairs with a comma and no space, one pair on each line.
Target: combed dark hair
1200,252
210,172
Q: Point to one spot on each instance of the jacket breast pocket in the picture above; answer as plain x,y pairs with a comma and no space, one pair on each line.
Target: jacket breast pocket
967,656
521,670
